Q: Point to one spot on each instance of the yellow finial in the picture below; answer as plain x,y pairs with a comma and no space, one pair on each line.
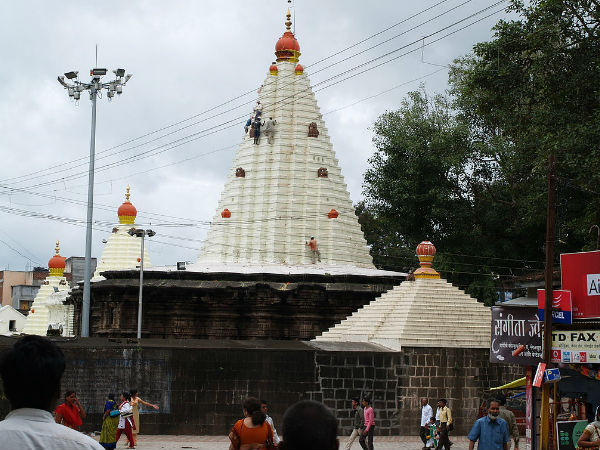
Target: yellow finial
57,248
288,22
127,194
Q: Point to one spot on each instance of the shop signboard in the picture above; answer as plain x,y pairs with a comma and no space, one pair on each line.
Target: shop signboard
567,433
576,346
580,273
561,306
513,327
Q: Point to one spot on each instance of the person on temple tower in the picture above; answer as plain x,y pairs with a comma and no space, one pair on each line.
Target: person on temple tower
248,124
257,110
315,254
270,129
256,126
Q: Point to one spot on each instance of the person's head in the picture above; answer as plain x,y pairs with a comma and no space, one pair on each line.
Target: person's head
501,399
432,420
264,407
493,409
309,424
133,393
424,401
366,401
270,118
312,238
442,402
70,397
253,410
31,372
125,396
355,402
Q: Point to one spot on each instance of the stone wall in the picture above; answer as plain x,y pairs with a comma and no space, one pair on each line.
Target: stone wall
190,305
200,384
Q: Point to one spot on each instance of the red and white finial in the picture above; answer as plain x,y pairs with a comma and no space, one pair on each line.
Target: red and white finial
426,252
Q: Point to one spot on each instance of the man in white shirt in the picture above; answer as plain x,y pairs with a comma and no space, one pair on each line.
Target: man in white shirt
426,415
31,373
264,408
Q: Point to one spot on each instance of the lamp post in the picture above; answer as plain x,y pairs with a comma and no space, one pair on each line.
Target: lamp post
74,88
141,234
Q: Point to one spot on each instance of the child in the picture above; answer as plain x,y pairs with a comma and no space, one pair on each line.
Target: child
433,434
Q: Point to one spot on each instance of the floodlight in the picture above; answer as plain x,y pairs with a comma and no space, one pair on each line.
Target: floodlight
110,94
119,89
61,80
71,75
150,233
180,265
76,95
119,72
71,91
98,72
129,75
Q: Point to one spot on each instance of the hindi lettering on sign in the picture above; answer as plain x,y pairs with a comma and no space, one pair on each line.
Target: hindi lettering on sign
514,327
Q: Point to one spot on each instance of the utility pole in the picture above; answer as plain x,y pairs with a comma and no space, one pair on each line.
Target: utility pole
550,235
74,88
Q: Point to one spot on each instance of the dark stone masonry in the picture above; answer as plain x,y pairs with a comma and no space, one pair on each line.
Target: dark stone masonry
193,305
200,384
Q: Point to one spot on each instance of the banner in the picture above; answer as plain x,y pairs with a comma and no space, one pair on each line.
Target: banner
580,273
561,306
576,346
512,327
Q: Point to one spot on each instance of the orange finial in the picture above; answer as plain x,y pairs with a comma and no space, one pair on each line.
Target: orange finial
426,253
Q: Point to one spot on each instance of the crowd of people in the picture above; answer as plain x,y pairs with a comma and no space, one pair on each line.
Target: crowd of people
39,364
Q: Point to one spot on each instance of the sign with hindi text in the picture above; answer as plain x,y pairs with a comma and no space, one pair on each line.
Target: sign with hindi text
513,327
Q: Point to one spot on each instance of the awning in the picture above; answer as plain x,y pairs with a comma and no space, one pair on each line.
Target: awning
513,384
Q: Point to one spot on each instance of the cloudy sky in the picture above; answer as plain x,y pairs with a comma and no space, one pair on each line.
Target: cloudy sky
173,133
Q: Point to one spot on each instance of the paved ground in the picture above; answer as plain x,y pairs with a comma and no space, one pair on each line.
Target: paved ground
160,442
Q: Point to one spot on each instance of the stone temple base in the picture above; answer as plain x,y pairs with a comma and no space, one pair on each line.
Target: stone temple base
197,305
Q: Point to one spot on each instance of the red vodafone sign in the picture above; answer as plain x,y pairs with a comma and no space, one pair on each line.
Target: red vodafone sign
580,274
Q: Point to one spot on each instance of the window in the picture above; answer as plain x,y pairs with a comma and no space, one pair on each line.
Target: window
12,325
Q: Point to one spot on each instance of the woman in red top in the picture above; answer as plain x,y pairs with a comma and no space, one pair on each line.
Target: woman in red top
252,432
70,413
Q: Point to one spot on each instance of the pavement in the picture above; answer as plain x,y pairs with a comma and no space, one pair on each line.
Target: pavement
175,442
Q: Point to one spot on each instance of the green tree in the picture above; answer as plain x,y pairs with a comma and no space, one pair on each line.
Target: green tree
529,92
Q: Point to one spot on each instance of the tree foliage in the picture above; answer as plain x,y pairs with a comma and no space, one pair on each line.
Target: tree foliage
469,170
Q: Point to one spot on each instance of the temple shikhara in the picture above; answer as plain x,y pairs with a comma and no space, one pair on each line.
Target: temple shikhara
287,188
122,251
285,256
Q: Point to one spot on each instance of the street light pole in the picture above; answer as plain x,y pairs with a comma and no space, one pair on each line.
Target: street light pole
74,89
141,234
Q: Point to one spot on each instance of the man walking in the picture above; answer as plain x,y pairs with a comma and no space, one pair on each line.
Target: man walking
426,414
265,409
359,422
445,424
511,421
491,431
369,425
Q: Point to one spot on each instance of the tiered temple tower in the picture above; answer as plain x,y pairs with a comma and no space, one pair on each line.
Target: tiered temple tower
278,195
122,251
38,319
